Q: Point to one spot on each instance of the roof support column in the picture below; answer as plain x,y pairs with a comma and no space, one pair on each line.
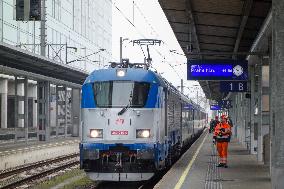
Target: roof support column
65,112
233,114
57,111
4,99
243,120
277,94
26,110
43,110
253,133
75,111
258,113
247,121
16,113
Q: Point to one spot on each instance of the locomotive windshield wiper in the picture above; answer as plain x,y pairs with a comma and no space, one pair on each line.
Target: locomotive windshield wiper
123,109
126,107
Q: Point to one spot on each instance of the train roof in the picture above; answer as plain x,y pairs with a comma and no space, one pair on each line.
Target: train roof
140,75
131,74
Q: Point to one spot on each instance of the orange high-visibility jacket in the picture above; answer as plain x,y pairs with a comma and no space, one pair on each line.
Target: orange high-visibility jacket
222,132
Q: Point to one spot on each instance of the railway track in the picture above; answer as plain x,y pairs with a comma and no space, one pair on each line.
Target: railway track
48,167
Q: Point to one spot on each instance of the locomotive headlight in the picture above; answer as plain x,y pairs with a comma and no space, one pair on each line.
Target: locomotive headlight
142,133
96,133
120,72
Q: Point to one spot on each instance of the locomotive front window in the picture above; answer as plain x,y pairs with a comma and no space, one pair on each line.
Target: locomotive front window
118,94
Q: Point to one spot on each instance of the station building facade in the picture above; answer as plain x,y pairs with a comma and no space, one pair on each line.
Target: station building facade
74,29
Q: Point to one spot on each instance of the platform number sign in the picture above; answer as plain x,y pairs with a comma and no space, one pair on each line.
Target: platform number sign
225,104
233,86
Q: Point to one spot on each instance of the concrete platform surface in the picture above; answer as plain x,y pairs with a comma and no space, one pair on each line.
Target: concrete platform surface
197,169
17,155
7,146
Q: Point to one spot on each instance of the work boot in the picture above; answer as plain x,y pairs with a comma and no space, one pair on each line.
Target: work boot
220,165
225,166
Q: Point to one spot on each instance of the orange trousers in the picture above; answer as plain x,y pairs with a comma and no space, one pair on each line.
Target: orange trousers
222,148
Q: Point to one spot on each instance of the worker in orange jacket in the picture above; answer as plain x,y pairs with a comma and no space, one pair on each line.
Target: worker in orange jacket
222,136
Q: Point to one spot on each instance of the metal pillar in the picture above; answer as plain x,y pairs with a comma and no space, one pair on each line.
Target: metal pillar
75,113
21,104
247,122
16,107
38,104
65,110
4,99
238,118
62,105
253,145
243,118
34,105
56,114
265,131
43,29
43,110
238,126
277,94
259,115
26,108
235,116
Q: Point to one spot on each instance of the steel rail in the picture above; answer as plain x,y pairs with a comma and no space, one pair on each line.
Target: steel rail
40,175
10,172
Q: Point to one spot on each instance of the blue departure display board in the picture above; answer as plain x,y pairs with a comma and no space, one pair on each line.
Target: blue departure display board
217,70
188,107
215,107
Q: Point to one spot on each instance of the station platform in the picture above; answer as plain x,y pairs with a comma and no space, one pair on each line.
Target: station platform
196,169
18,154
6,147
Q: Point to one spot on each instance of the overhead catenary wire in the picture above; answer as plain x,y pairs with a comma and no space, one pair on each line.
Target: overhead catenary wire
153,30
168,46
141,33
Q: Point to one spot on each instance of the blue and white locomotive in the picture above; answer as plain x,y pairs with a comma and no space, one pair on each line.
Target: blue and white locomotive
133,124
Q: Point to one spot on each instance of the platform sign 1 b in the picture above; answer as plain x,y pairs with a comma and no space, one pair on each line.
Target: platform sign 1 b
233,86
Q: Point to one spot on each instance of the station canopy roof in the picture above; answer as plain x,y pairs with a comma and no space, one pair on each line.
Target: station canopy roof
13,57
215,29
